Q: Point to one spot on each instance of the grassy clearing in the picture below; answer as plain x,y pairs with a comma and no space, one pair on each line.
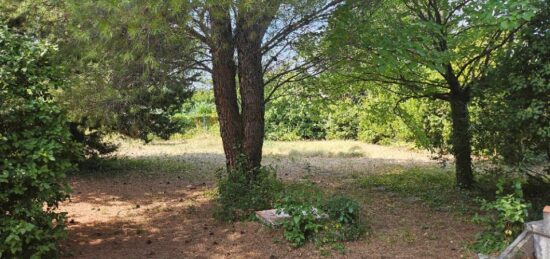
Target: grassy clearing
434,186
123,165
384,180
336,148
400,170
211,144
393,169
292,160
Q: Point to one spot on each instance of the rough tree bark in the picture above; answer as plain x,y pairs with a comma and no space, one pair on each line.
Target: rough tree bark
242,130
250,32
225,87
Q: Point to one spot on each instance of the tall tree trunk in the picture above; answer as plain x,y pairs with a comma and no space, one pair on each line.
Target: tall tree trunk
251,85
461,138
225,87
242,130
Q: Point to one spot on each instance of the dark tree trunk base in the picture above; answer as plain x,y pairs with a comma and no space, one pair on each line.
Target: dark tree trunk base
461,140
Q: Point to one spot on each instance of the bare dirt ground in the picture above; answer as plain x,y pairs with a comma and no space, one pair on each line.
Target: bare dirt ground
170,215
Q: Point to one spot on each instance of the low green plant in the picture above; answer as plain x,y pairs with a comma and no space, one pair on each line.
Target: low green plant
342,209
344,213
336,221
242,191
302,224
504,218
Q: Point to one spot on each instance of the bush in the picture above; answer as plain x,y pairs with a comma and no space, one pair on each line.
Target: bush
303,222
346,225
35,145
342,209
242,192
342,120
307,222
504,220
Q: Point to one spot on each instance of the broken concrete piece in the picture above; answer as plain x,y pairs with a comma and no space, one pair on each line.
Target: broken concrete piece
274,219
271,217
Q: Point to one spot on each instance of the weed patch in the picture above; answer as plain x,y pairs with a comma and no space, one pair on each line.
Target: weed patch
503,220
327,222
434,186
242,192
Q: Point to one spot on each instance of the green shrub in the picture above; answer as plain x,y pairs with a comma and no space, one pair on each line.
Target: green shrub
293,119
303,222
504,220
35,147
511,115
345,223
342,120
241,192
342,209
336,221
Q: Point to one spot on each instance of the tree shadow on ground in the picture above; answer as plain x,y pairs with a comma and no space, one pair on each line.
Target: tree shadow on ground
174,220
162,205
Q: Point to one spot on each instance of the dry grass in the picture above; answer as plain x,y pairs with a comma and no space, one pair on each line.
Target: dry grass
292,159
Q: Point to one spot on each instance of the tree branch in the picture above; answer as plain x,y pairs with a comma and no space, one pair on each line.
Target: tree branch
489,49
290,28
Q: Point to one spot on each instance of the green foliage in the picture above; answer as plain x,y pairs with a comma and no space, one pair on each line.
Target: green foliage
433,186
326,222
397,43
342,209
35,147
198,114
294,117
379,124
505,218
436,125
38,18
535,192
303,222
373,117
346,224
342,119
241,192
433,50
131,68
92,138
513,118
